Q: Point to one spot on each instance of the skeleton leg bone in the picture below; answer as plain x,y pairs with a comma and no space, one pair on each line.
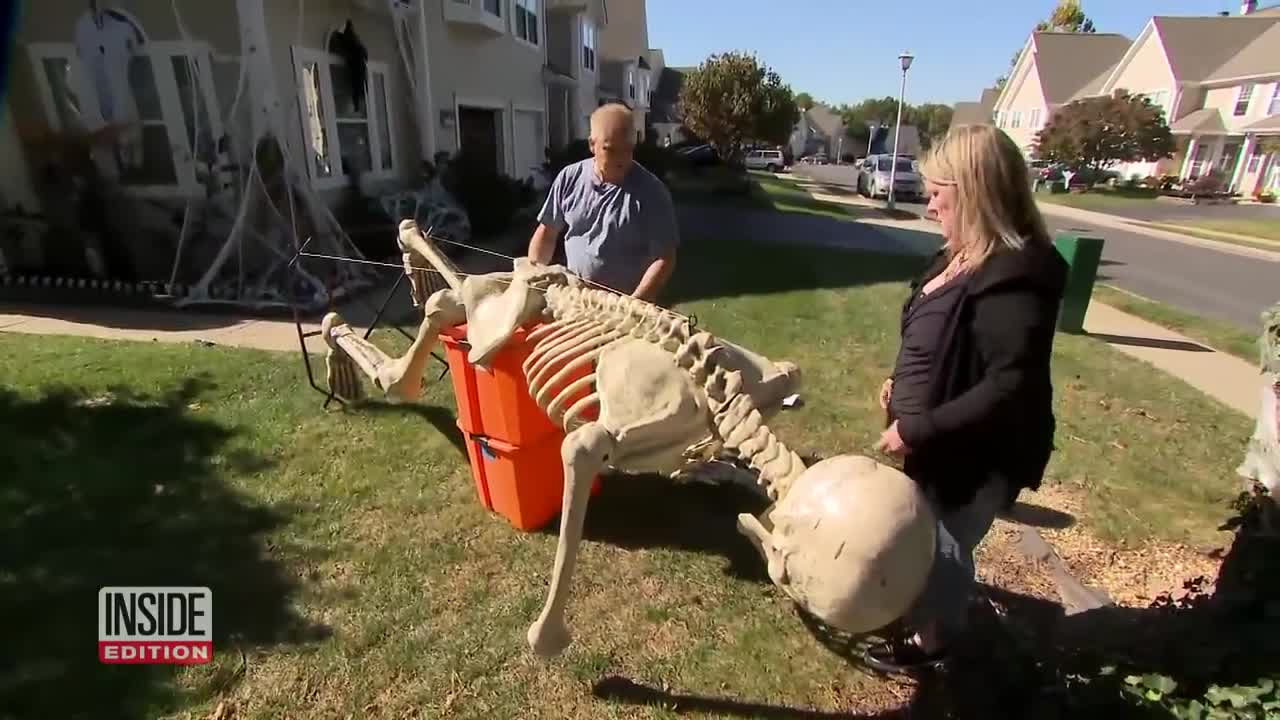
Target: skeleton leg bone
400,379
650,410
584,452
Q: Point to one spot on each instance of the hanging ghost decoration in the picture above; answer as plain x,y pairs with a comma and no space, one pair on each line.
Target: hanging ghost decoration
106,42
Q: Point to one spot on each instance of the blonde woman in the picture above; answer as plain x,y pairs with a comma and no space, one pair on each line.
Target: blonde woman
969,404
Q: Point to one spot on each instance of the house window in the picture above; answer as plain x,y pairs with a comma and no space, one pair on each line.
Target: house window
1242,100
588,45
346,136
168,127
493,7
526,18
1274,108
1017,119
1035,118
631,84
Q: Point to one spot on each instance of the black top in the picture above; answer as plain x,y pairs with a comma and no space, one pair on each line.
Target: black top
989,404
925,319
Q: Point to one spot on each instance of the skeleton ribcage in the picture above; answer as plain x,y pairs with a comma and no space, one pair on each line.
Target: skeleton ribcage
560,370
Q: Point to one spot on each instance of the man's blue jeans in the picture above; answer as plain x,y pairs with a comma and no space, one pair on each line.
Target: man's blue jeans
946,596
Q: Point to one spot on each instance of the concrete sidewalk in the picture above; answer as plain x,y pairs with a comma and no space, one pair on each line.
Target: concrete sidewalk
1228,379
1144,228
157,326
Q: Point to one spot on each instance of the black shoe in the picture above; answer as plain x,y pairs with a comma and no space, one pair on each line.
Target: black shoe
901,656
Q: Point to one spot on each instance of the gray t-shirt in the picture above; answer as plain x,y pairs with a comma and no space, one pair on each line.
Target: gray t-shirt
612,233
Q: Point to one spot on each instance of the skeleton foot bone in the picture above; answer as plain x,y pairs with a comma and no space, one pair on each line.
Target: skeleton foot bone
400,379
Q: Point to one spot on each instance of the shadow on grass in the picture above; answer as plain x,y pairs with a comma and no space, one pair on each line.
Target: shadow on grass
443,419
647,511
126,489
623,690
723,261
1160,343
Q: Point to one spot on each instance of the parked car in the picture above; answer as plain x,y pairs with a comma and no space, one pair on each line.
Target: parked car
700,155
771,160
873,177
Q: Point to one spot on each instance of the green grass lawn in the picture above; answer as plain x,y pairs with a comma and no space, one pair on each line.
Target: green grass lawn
1220,336
759,190
1260,228
355,575
1266,233
1100,198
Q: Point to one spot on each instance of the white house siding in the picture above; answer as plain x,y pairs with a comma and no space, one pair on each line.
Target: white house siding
375,31
472,67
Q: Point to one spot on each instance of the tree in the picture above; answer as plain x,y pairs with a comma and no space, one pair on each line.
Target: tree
1068,16
932,120
1096,133
732,98
804,101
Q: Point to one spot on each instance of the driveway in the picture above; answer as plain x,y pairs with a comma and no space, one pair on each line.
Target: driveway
1214,284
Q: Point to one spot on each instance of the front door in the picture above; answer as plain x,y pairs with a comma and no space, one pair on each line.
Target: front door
478,134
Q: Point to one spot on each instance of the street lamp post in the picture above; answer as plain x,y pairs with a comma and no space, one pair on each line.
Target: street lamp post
905,59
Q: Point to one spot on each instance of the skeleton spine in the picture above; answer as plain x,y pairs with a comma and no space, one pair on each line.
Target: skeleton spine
737,421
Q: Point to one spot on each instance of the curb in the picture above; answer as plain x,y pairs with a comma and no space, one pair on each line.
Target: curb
1120,223
1188,229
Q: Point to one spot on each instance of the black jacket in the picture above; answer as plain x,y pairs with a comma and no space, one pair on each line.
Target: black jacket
990,393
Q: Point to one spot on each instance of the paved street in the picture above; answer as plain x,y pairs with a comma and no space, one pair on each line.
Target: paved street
1212,283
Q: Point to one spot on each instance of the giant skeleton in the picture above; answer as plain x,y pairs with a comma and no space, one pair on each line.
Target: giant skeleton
635,390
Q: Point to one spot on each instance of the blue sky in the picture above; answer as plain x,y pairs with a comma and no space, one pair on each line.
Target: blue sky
847,50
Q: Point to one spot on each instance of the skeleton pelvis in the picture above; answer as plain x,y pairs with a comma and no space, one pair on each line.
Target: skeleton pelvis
650,404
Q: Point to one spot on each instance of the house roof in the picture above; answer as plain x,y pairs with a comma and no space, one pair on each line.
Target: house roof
826,119
666,95
975,113
1202,49
1206,121
1260,57
1071,63
1269,124
968,113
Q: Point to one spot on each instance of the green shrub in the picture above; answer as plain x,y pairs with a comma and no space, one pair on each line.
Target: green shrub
490,198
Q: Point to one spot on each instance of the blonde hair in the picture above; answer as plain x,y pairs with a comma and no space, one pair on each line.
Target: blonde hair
995,209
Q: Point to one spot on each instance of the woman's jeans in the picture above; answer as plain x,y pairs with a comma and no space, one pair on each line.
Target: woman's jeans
947,593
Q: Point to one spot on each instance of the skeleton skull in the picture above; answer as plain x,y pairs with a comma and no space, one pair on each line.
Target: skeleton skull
852,542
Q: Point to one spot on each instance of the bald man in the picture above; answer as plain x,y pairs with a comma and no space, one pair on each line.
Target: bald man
616,217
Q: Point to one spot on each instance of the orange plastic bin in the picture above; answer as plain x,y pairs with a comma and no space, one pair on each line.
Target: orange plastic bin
495,402
523,484
513,447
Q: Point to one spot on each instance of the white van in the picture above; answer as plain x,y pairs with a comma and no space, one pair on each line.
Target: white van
770,160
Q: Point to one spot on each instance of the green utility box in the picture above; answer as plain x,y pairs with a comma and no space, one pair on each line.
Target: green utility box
1083,254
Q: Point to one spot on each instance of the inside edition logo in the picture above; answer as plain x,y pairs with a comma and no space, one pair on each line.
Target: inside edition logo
155,625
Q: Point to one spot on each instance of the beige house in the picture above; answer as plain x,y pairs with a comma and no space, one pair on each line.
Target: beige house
507,78
1218,80
626,73
1053,69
